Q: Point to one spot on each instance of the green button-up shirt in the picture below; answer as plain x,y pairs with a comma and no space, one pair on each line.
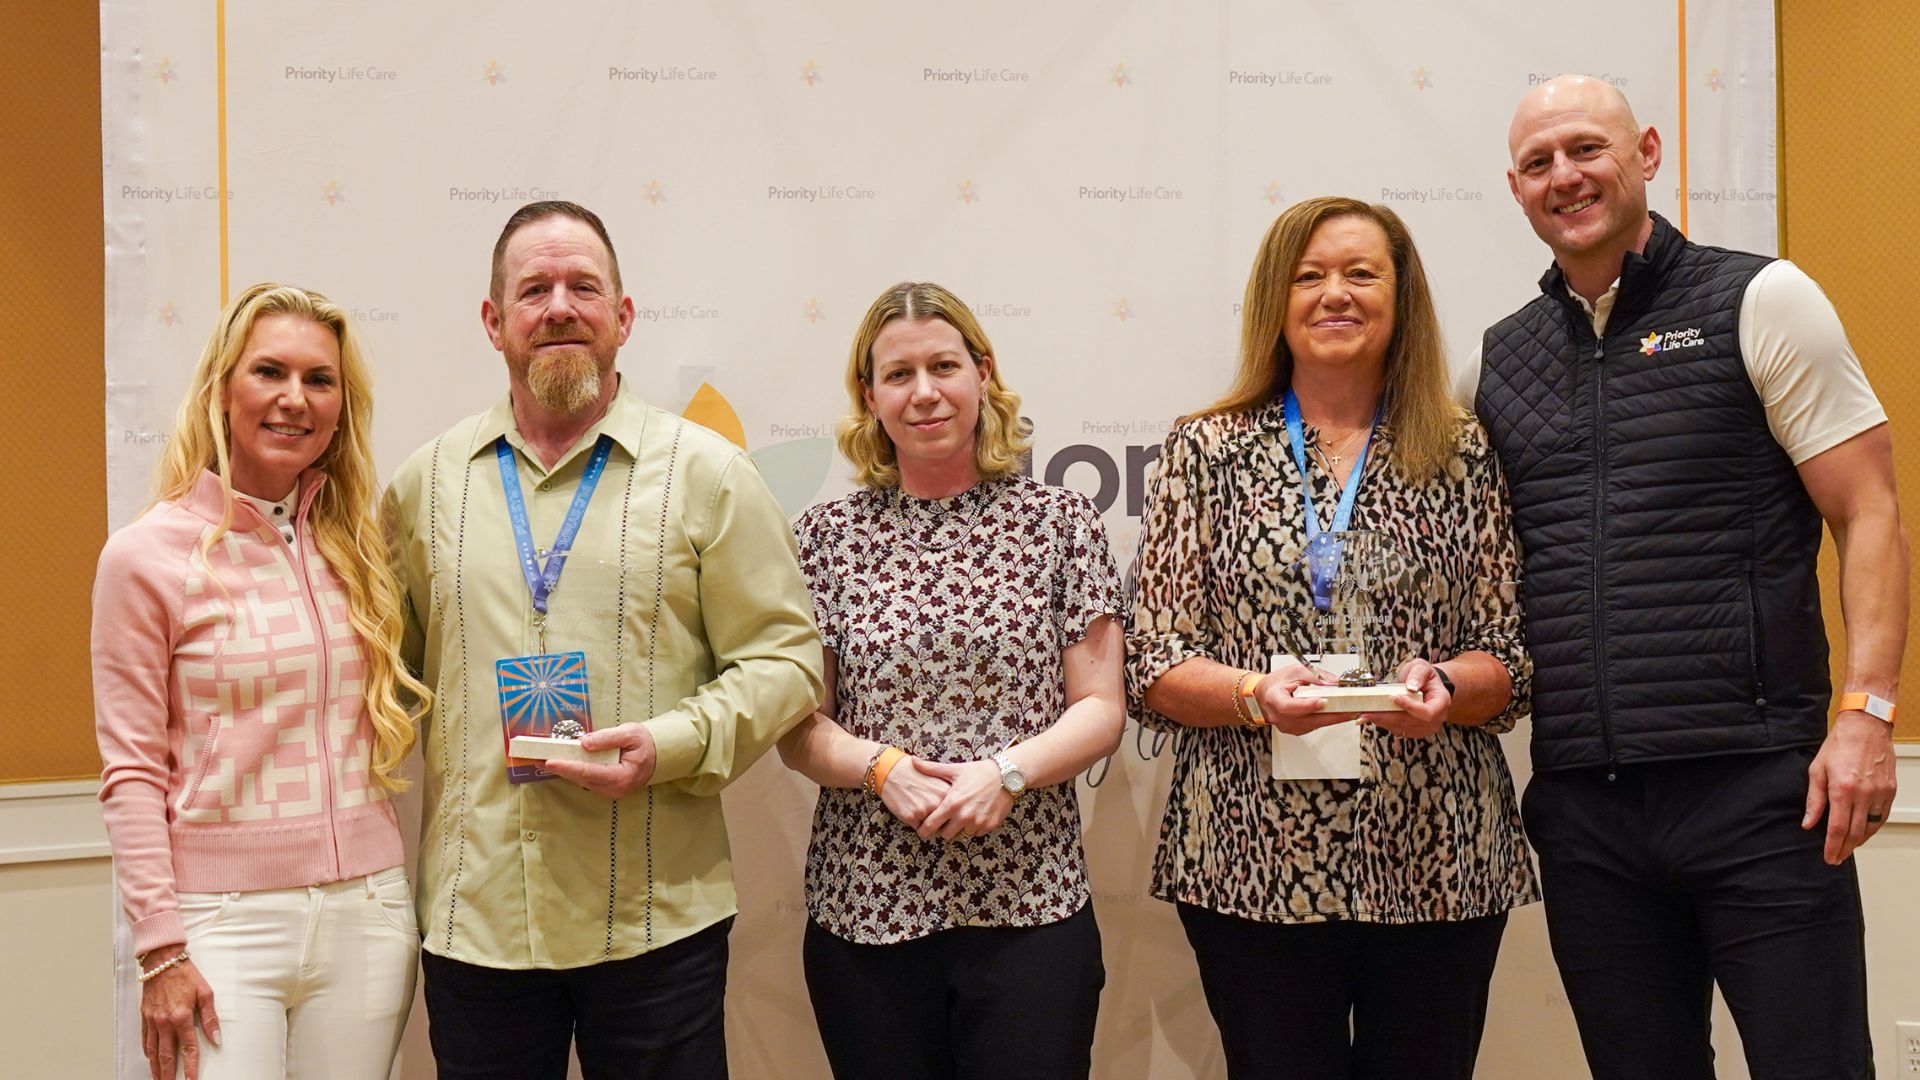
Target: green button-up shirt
683,591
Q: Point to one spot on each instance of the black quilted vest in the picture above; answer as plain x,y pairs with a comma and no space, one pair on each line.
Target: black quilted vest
1672,606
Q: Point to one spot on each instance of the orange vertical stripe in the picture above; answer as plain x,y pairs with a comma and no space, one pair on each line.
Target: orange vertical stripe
220,129
1682,141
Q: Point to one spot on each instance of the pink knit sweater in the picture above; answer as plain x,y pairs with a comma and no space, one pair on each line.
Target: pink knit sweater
226,692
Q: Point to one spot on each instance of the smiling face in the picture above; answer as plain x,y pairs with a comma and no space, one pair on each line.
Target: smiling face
559,319
926,389
1340,301
1580,170
283,402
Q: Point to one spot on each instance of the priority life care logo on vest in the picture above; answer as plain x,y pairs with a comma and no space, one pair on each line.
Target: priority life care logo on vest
1657,341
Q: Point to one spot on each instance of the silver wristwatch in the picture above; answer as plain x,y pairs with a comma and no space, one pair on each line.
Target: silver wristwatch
1011,778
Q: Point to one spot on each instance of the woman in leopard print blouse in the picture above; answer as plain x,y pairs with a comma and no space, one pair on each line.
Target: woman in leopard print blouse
1343,928
972,624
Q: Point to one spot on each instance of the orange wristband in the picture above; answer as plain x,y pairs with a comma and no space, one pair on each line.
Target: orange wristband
1877,707
883,765
1249,705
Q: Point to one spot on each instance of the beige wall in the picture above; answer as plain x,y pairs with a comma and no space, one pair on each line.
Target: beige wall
1843,72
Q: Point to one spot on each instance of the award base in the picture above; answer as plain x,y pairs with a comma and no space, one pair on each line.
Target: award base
546,748
1377,697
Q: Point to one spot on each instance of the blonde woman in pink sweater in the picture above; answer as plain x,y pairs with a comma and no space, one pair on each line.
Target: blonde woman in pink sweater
248,695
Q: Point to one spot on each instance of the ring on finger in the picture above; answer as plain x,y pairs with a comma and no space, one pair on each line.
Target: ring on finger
1875,819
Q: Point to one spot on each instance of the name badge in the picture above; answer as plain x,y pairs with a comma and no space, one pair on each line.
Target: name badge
537,694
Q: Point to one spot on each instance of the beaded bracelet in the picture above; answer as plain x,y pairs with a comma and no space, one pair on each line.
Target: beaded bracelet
175,960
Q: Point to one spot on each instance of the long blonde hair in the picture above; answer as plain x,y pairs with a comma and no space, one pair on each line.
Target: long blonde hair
1001,441
1418,405
342,519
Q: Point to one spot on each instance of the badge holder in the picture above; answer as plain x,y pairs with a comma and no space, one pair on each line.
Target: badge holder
544,710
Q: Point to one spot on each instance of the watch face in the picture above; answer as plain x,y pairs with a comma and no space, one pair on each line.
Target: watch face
1011,778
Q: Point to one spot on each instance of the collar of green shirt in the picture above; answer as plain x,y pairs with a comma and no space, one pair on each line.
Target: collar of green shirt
625,422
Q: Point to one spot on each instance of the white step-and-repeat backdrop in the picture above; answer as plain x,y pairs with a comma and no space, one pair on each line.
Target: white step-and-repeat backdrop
1093,177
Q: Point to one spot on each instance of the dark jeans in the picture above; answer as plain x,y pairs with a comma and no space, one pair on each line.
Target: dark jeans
1677,875
971,1003
1346,1000
656,1016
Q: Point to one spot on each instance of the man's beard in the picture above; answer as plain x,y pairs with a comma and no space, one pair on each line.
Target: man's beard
564,381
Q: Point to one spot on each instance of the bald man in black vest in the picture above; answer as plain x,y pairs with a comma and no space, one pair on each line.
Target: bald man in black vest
1676,423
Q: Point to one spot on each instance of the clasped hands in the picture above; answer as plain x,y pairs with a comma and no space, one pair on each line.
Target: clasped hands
1421,718
951,800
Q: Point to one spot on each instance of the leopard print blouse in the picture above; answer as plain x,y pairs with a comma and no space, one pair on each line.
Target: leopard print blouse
948,620
1434,833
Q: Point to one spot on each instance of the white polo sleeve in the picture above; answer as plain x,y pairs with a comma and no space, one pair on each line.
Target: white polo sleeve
1466,380
1815,393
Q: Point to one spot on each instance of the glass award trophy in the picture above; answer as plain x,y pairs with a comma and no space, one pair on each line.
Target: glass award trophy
1356,578
1363,577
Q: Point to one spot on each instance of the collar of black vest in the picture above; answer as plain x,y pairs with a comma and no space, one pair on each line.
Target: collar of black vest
1640,271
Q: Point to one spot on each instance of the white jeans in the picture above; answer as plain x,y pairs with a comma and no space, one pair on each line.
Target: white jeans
309,984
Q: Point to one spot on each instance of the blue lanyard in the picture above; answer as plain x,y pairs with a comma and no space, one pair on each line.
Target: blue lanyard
1323,551
541,580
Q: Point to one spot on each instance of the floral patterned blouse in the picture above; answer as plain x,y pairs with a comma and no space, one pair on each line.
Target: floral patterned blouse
948,620
1433,833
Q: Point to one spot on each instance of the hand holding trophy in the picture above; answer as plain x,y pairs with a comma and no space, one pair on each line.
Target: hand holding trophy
1361,575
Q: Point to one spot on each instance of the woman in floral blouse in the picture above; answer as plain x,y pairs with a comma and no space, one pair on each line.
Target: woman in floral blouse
1343,928
973,671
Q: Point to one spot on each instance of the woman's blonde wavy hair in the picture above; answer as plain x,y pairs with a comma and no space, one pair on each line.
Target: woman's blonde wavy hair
342,519
1001,442
1419,404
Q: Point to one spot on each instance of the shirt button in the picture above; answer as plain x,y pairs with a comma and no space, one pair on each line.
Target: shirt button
546,485
531,835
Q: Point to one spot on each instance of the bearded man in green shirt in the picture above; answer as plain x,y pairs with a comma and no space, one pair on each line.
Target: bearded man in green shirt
591,908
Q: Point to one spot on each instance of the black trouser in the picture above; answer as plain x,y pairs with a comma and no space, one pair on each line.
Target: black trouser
658,1016
971,1003
1677,875
1346,1000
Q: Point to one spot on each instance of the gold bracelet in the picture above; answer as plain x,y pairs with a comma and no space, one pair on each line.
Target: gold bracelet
866,778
